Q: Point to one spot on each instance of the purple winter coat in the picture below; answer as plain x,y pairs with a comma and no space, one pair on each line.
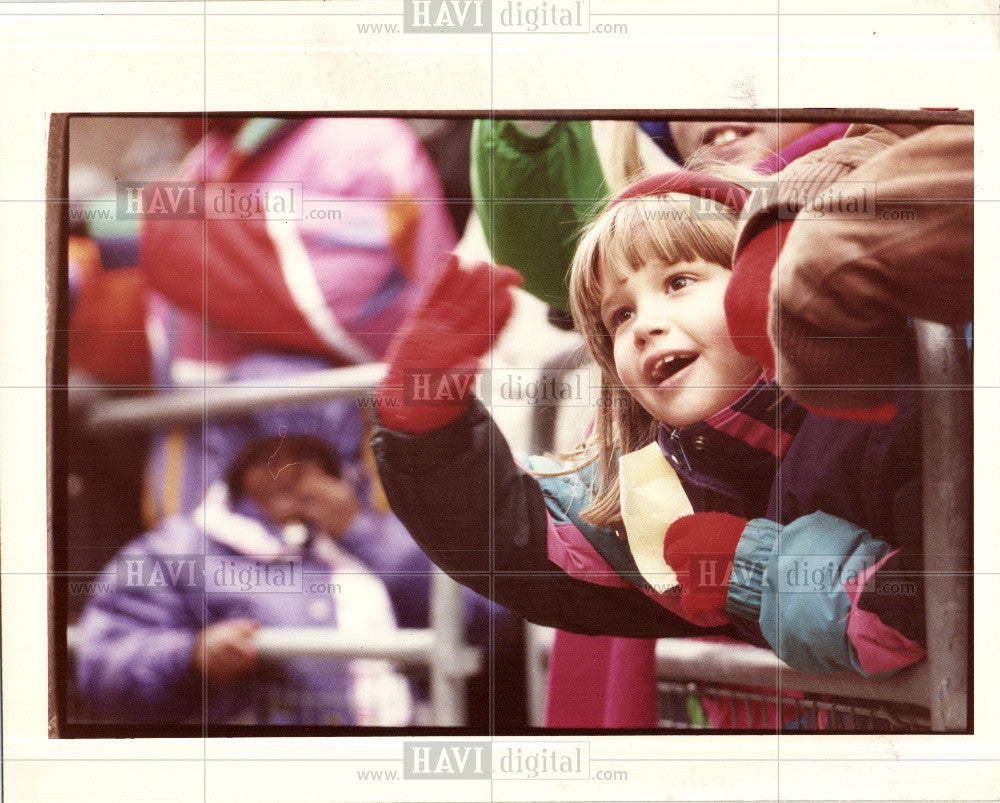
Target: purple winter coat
138,630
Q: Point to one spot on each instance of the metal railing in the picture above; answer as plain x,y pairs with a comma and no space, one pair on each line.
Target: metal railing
440,647
683,707
939,684
705,669
184,406
946,410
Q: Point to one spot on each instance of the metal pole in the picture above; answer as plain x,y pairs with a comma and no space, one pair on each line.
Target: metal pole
946,405
409,647
930,116
538,645
451,661
798,115
109,416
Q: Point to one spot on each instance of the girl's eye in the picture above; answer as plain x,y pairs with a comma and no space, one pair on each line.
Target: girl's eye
620,316
679,283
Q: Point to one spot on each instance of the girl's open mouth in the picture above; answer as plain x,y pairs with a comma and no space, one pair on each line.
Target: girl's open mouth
667,367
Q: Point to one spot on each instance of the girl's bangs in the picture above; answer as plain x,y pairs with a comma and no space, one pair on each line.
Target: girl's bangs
662,229
641,231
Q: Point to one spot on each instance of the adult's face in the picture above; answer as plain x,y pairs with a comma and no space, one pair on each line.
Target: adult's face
736,143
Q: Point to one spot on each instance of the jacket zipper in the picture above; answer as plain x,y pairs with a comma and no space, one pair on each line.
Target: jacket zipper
679,444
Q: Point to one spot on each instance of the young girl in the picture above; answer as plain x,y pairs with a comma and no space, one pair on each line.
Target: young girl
799,520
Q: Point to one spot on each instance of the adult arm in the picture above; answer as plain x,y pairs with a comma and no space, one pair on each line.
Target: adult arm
847,283
794,202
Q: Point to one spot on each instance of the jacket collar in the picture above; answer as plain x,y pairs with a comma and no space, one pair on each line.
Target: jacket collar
736,451
241,526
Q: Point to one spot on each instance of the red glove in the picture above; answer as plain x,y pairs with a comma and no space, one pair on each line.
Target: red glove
748,296
434,357
700,549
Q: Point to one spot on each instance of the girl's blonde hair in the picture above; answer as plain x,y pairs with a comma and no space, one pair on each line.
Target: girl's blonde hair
664,228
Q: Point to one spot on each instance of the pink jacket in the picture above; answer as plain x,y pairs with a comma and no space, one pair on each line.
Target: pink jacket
333,275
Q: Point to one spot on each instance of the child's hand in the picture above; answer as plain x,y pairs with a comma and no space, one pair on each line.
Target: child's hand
434,356
225,650
326,502
700,549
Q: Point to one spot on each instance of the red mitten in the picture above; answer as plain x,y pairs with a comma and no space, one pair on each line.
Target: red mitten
435,355
748,295
700,549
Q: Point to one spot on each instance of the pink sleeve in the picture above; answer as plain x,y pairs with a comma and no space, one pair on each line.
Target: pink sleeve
574,554
879,647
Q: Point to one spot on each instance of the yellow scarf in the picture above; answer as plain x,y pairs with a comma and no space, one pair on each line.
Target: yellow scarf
652,499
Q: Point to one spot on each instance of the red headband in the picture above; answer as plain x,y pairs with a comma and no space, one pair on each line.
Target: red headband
688,182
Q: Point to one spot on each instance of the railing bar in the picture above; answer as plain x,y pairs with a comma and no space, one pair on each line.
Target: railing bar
947,494
841,710
717,663
447,674
746,709
188,405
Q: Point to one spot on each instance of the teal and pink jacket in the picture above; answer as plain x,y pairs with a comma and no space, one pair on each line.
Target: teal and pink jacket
827,572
